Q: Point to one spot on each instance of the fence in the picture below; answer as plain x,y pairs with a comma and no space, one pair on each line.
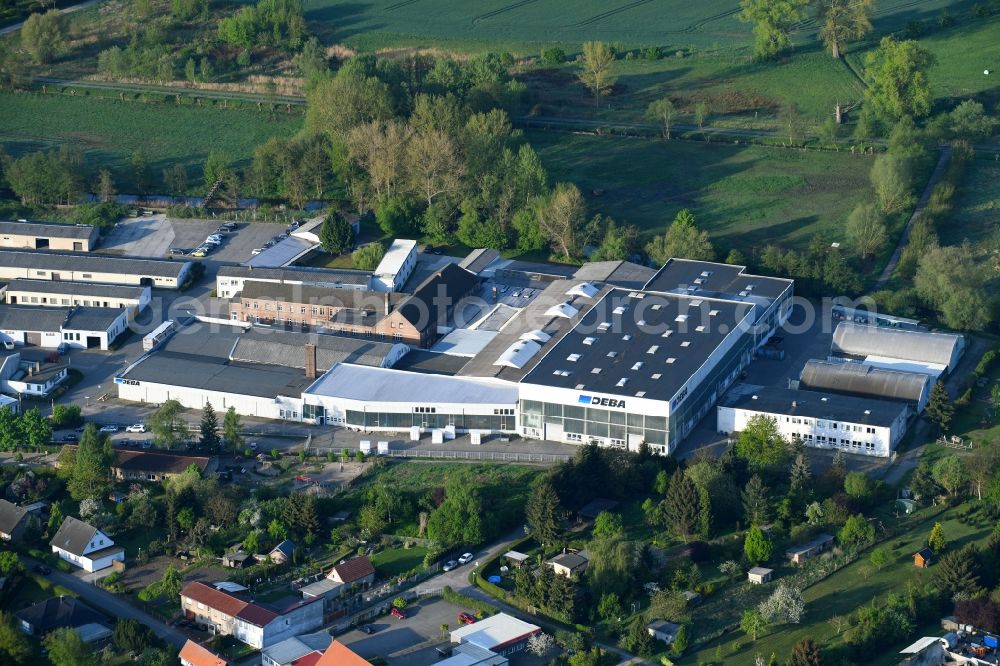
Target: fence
481,455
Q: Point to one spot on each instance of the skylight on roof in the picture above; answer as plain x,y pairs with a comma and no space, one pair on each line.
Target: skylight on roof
619,310
562,373
612,354
652,350
696,303
655,306
713,313
700,329
705,274
686,343
639,394
637,365
681,318
671,360
584,289
604,326
642,322
589,341
573,358
626,337
667,333
579,387
622,382
655,375
699,281
595,371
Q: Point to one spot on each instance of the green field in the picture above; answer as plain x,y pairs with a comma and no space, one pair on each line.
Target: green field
744,196
397,561
521,25
110,131
976,216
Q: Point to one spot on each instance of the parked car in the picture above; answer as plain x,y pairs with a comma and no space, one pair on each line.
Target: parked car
257,250
465,559
42,569
281,237
228,226
177,250
268,244
449,565
465,618
200,252
367,628
71,437
398,613
213,241
136,427
111,427
253,446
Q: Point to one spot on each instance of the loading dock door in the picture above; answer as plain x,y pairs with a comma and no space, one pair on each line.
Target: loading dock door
34,338
93,342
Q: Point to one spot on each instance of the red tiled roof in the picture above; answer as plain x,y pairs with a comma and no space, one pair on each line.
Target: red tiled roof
310,659
354,569
257,616
339,654
196,655
213,598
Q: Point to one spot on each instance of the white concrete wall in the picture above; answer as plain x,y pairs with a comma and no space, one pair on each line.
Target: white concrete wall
820,433
191,398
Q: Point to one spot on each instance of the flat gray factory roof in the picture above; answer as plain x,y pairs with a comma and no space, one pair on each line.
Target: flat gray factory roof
355,382
639,344
713,280
41,229
92,319
66,261
318,295
282,253
75,288
319,276
624,274
28,318
818,405
287,348
433,363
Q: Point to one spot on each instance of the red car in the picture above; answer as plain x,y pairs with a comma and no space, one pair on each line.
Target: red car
397,613
465,618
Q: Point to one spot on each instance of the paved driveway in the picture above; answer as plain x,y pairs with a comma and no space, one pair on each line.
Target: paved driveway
408,642
155,235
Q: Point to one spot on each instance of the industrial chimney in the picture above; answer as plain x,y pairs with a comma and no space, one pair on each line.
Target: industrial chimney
310,361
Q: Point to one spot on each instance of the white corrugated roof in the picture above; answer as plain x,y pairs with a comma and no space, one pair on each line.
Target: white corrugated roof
865,340
493,631
394,258
354,382
538,335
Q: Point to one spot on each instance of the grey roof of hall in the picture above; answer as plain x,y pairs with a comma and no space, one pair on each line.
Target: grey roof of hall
624,274
818,405
554,270
382,385
303,274
438,292
32,318
479,259
287,348
863,379
431,362
41,229
531,318
722,281
645,325
85,318
854,339
198,357
75,288
75,261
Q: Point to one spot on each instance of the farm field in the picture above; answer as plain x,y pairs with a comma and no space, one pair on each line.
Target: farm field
744,196
521,25
110,132
844,591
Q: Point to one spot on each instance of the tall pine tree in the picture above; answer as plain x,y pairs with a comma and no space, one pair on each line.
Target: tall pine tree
939,408
543,513
91,475
682,505
336,235
209,428
756,505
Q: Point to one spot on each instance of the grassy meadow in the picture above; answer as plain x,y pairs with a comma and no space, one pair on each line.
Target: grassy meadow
744,196
110,132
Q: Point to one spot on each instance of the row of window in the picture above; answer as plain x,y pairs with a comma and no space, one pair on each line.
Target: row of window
833,441
832,425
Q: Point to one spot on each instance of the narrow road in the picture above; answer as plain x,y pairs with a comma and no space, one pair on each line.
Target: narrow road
65,10
113,605
904,238
233,96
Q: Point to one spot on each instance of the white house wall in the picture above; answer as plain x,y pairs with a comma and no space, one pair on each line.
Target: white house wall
192,398
878,441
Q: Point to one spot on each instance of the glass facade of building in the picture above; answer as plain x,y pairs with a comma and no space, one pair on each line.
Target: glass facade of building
582,424
432,419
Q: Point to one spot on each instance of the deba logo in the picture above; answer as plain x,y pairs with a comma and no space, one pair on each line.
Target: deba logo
603,402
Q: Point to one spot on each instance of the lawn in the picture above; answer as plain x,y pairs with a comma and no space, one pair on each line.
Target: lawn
521,25
110,131
744,196
844,591
397,561
976,215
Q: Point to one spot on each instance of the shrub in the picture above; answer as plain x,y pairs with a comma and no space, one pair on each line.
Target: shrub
652,53
553,56
451,596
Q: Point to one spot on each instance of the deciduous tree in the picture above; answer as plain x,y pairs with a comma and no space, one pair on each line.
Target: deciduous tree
896,73
336,234
772,22
14,646
761,443
90,477
663,112
843,21
806,653
682,240
66,648
167,426
596,69
43,36
949,473
866,230
560,218
757,547
753,623
231,430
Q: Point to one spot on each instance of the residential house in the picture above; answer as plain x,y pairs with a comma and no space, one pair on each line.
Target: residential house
923,558
357,571
238,559
259,627
339,654
149,465
802,552
193,654
760,575
13,520
85,546
58,613
282,552
569,564
296,651
662,630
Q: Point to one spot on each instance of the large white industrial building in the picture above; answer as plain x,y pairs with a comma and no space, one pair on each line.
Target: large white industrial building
821,420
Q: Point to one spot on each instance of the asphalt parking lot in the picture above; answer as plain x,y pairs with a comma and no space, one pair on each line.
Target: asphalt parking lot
154,236
408,642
